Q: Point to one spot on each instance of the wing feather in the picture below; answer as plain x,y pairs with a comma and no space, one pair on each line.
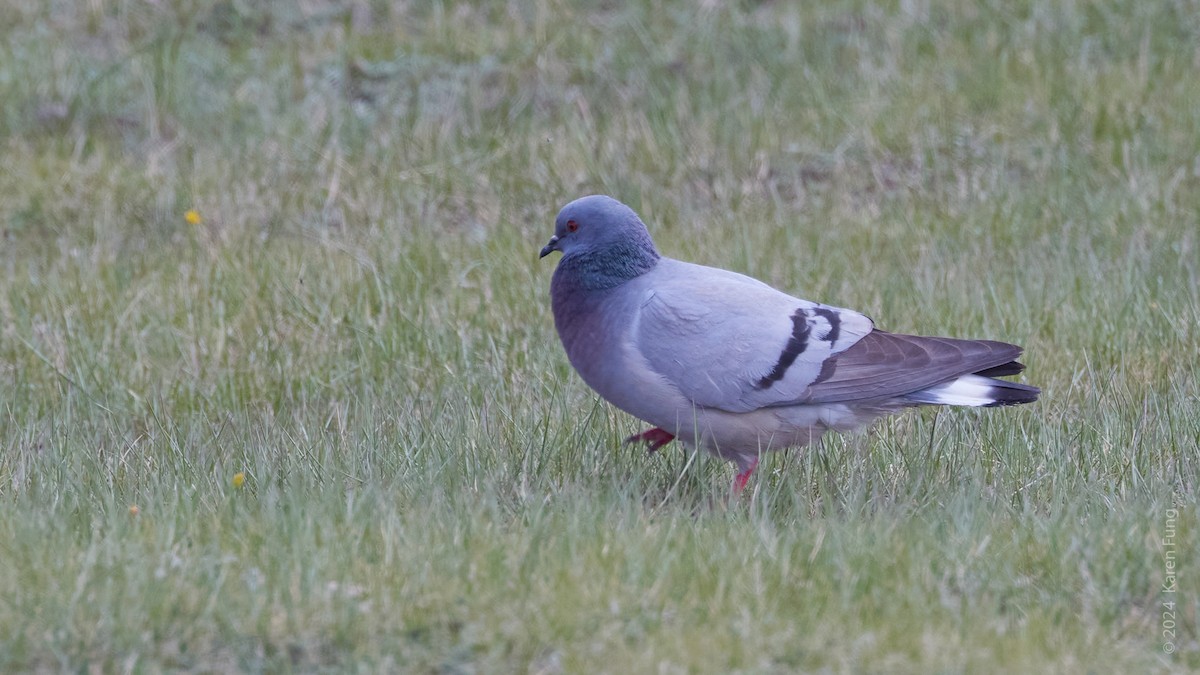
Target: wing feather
885,365
730,342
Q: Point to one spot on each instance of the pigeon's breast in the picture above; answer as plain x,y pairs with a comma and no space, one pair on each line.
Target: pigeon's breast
596,329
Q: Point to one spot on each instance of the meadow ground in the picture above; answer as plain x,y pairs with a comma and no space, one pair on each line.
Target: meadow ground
325,424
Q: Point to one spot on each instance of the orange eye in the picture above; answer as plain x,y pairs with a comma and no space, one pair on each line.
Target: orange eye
572,226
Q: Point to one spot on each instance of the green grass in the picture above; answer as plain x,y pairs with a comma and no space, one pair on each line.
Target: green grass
360,325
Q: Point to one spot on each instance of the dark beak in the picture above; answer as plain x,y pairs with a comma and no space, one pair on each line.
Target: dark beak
552,245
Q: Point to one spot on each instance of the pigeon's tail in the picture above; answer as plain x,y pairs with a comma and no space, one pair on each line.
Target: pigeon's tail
978,389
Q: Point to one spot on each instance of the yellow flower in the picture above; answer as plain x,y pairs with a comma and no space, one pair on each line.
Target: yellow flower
192,217
239,479
134,510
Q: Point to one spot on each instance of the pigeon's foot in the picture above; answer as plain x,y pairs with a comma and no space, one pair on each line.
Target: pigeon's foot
653,438
739,483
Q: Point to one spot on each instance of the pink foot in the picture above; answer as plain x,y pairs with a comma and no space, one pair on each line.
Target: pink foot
739,483
653,438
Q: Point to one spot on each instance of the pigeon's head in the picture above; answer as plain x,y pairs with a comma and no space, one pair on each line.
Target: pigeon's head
600,226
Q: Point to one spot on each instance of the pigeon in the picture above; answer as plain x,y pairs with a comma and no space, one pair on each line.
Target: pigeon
726,363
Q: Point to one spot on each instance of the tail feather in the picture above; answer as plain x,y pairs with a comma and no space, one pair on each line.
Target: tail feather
975,390
1012,393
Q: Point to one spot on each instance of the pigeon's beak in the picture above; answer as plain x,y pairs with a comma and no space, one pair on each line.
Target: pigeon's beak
552,245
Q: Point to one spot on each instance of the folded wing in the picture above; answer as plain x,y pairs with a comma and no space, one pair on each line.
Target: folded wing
886,365
730,342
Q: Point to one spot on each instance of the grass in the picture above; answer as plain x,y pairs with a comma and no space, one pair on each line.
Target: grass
360,326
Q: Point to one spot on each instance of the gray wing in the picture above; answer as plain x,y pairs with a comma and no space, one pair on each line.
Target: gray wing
730,342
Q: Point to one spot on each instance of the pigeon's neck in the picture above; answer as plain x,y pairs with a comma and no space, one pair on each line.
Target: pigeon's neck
597,270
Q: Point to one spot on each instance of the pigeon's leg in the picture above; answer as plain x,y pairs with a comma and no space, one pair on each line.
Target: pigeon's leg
739,483
653,438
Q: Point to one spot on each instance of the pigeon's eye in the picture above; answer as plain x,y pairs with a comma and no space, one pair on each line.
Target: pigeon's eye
572,226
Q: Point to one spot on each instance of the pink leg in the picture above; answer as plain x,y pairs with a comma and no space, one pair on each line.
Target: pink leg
653,438
739,483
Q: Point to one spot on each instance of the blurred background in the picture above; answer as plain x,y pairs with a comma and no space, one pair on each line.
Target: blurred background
279,387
